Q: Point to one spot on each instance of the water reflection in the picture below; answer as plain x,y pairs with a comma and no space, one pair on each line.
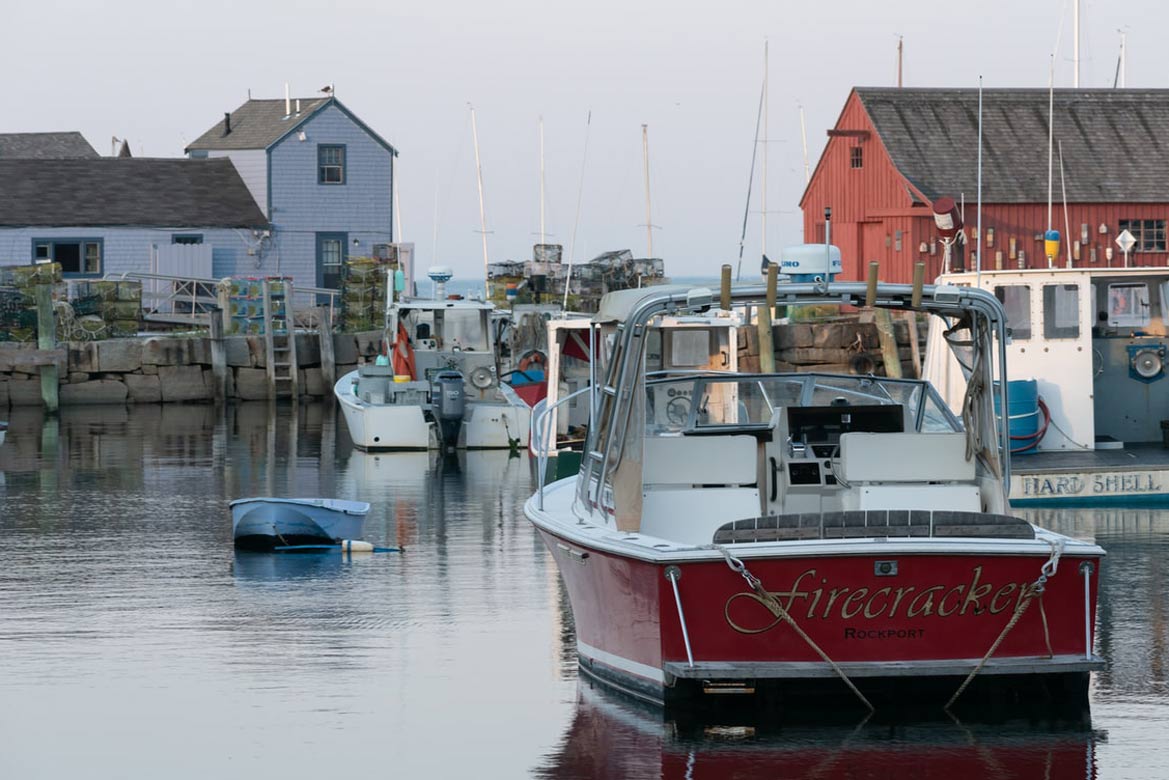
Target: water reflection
612,738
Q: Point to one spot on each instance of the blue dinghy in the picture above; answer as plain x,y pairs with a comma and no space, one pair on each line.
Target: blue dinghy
264,523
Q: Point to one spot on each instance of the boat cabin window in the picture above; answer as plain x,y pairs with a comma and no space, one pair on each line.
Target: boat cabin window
1016,300
689,348
747,404
1128,305
1061,311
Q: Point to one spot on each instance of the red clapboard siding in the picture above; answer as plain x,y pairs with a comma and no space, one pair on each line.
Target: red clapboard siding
873,204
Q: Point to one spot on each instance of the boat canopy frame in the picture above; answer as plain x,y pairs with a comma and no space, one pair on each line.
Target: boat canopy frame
612,421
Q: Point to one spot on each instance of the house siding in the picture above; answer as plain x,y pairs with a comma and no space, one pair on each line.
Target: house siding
127,249
252,165
300,207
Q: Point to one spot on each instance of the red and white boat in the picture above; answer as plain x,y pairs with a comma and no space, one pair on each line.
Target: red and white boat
809,531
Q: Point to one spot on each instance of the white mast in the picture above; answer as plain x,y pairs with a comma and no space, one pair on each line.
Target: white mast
1075,50
482,213
576,222
804,138
542,234
649,227
1050,133
978,218
1123,54
763,213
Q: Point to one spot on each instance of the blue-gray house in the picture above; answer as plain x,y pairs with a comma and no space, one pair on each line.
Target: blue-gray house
109,215
322,177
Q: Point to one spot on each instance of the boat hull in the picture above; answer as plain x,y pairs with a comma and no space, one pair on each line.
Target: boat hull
372,427
268,523
930,622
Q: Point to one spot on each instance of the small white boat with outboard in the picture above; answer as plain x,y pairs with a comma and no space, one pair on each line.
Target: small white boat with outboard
266,523
440,385
799,533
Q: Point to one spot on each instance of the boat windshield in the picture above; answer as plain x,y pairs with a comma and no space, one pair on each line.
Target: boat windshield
465,329
741,403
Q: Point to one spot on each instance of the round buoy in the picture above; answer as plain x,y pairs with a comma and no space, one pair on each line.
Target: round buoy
356,545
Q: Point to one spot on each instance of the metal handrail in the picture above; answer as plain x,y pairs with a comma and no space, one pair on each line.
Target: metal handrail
542,429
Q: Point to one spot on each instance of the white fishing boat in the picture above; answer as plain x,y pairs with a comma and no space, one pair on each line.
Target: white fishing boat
1089,404
440,385
812,533
264,523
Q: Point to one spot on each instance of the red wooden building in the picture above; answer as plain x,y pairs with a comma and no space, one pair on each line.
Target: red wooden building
893,152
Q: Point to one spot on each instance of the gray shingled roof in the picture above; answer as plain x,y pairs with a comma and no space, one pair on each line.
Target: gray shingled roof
113,191
1115,142
45,146
257,124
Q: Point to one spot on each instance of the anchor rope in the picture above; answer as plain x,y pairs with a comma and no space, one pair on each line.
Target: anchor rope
1034,590
777,609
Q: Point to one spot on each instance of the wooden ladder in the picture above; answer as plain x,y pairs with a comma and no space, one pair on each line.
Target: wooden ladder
280,340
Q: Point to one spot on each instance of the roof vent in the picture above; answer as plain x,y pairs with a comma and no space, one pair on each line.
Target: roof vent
226,123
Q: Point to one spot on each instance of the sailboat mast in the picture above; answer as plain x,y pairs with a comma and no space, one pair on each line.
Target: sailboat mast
649,228
1050,132
1075,49
804,139
763,211
482,213
542,234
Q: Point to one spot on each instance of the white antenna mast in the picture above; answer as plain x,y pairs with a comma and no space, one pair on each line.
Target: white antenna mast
649,226
397,203
978,217
804,138
1075,53
763,213
482,213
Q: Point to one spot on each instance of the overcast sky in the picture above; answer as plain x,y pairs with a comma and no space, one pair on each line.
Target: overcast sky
160,73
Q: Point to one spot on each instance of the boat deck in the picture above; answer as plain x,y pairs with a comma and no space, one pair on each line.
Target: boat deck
1133,456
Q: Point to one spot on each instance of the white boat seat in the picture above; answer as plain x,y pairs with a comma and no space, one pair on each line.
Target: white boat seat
904,457
700,460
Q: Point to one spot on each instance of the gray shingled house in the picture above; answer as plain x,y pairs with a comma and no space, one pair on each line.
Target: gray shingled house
111,215
45,146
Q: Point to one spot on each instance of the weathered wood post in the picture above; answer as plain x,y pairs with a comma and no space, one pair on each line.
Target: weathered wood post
725,289
328,361
47,340
766,342
218,357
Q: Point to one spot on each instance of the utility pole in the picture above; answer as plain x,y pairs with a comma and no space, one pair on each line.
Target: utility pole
900,53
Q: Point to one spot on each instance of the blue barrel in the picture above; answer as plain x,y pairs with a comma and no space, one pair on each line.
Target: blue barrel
1022,414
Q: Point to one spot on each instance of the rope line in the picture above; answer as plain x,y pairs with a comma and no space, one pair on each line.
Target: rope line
1034,590
777,609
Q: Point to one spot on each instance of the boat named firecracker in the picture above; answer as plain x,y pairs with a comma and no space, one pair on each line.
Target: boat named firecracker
798,530
264,523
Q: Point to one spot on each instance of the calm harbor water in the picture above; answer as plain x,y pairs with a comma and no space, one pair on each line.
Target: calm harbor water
134,642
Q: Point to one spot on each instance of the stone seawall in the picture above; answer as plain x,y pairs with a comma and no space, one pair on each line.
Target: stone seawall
168,369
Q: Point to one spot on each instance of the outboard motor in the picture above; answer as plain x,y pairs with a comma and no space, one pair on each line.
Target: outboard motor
448,406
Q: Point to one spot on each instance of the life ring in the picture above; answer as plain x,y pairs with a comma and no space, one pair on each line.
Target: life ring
533,357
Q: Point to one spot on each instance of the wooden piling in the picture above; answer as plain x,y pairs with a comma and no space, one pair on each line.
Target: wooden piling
763,322
328,361
918,283
47,339
871,292
725,297
218,357
888,337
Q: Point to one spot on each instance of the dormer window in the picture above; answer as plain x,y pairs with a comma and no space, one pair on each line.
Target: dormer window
330,164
